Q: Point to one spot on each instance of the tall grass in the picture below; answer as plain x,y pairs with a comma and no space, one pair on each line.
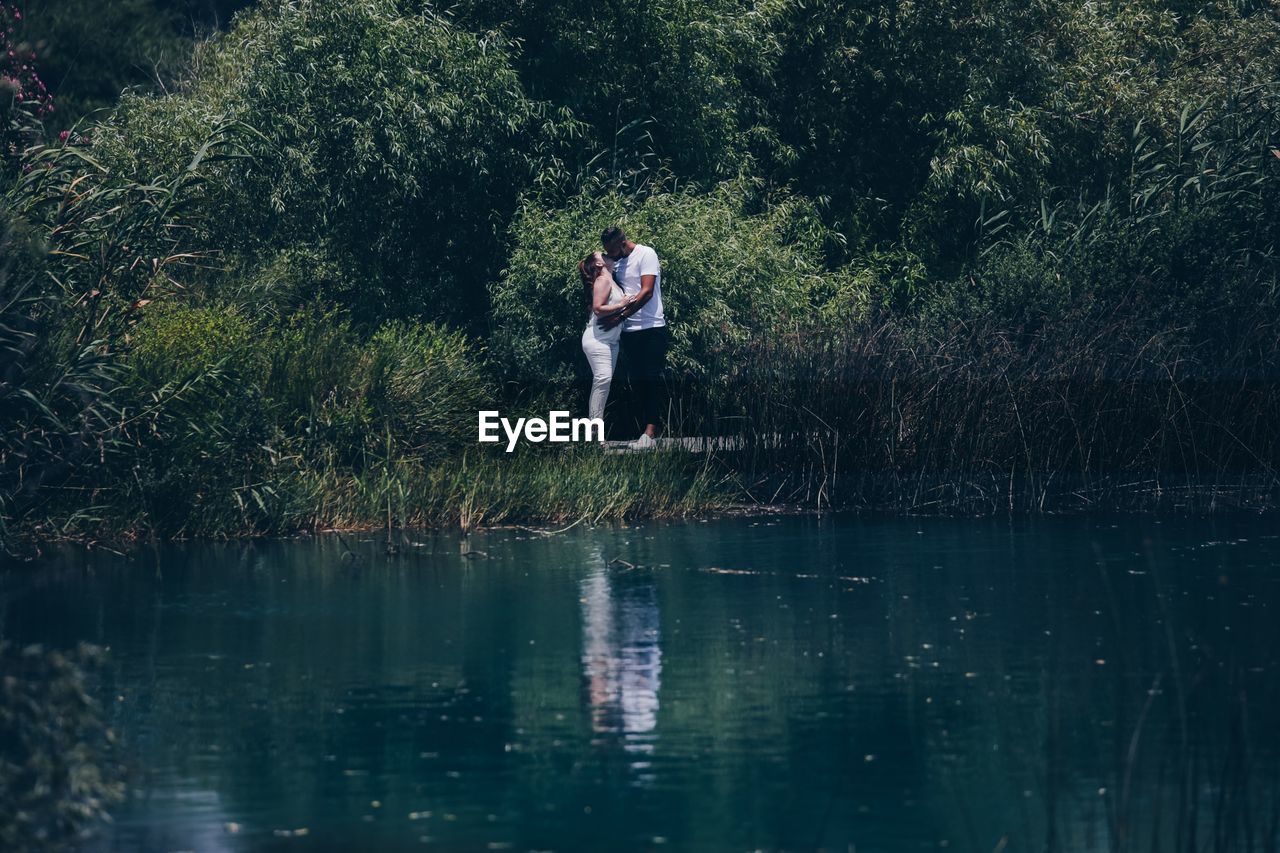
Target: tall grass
491,487
1074,416
81,250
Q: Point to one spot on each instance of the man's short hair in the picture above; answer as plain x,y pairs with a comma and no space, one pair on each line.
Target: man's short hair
612,234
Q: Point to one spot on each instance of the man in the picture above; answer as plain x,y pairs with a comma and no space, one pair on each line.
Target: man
644,327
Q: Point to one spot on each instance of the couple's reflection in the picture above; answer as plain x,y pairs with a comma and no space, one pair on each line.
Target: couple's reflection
622,657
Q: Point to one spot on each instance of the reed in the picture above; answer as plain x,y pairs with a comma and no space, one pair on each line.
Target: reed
482,487
1073,416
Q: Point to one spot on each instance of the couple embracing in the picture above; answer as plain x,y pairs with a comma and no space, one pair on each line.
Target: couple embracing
624,291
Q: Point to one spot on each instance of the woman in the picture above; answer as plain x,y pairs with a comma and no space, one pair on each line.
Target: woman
600,344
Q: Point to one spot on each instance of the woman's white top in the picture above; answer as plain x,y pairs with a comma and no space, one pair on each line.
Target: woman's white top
615,295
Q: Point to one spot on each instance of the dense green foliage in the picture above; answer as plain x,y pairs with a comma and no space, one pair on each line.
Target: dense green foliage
910,252
681,83
400,162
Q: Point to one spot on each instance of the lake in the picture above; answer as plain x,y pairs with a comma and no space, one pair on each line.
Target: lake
869,684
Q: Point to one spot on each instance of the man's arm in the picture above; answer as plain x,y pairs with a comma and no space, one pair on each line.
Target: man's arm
633,303
645,294
648,278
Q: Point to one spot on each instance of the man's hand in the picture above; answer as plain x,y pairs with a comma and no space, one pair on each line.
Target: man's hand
609,321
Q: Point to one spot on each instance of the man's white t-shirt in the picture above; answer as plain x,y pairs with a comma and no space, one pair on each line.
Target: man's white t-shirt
643,260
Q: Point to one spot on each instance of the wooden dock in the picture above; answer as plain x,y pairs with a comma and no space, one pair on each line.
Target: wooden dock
684,443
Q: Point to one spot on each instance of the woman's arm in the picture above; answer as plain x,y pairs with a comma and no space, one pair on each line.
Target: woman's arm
600,289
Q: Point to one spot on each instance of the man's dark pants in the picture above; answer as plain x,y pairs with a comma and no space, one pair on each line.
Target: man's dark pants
646,352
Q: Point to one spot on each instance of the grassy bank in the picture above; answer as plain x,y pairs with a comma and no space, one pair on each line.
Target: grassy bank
487,487
481,487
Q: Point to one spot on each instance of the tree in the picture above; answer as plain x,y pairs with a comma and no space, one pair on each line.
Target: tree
658,81
398,143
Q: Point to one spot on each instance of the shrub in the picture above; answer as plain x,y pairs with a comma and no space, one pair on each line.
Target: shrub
80,251
246,428
287,282
425,387
178,344
58,415
313,352
198,376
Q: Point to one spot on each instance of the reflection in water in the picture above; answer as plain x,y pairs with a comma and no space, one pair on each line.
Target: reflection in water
204,825
622,658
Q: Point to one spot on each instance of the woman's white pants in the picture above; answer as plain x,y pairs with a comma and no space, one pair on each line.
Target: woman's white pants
601,349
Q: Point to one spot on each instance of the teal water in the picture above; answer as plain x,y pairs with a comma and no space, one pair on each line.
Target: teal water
738,684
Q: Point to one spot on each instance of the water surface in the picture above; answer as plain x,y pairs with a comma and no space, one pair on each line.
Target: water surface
787,683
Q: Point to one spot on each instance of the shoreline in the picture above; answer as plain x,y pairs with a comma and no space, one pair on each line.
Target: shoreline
129,541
